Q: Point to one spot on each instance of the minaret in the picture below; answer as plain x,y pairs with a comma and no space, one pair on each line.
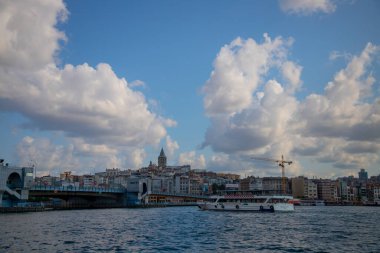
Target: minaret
162,159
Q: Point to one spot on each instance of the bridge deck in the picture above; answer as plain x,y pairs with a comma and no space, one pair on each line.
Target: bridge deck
76,189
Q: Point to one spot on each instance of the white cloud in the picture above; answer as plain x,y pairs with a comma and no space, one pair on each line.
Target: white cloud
191,158
78,157
47,157
292,73
238,70
334,55
92,106
29,39
85,149
137,83
261,123
171,146
246,166
272,121
307,7
135,158
342,110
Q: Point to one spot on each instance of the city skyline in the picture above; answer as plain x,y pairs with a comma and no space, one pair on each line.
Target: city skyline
86,85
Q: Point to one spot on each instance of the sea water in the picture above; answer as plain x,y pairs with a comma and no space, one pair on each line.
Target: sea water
187,229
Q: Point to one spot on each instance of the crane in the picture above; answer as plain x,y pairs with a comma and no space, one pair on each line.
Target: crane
280,163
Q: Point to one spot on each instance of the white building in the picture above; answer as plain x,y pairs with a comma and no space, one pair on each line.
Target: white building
181,184
312,190
88,181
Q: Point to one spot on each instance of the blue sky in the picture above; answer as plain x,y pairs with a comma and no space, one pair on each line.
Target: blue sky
87,85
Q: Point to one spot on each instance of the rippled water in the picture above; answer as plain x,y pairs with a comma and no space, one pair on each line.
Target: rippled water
185,229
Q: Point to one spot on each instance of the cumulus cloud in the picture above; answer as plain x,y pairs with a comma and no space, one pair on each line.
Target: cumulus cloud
77,156
191,158
46,156
260,123
134,158
292,74
91,105
29,39
272,121
307,7
238,69
342,110
171,146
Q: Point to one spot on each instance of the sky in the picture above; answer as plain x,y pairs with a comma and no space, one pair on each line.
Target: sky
89,85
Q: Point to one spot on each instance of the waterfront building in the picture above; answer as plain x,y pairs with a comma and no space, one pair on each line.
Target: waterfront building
376,193
244,183
88,181
342,190
352,193
48,181
196,186
251,184
229,176
305,188
375,179
327,190
181,184
232,187
256,184
298,187
312,190
162,184
168,184
274,184
363,176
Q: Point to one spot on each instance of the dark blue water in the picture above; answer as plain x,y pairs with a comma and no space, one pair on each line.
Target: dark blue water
186,229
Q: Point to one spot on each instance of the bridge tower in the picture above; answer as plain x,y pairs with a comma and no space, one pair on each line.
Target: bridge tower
15,183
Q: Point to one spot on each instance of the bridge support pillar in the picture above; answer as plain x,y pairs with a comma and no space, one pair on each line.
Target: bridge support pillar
1,197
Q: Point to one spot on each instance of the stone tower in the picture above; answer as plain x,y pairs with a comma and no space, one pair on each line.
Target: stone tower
162,159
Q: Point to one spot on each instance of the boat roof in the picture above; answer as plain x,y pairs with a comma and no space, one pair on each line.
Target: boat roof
251,196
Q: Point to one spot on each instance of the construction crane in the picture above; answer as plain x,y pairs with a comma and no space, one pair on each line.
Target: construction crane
280,163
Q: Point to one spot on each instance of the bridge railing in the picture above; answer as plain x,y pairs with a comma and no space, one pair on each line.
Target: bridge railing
75,189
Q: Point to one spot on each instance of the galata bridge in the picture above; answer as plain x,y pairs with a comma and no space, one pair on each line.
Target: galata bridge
17,188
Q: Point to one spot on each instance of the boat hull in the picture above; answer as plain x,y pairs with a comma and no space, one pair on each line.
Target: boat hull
252,207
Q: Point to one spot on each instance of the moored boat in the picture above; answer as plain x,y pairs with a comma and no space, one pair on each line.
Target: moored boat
259,203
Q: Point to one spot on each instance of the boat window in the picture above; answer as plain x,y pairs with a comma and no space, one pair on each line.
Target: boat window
260,200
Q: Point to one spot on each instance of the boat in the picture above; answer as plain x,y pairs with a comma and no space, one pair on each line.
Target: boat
258,203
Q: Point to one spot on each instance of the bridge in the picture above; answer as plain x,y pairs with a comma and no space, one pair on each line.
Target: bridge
78,197
60,189
88,197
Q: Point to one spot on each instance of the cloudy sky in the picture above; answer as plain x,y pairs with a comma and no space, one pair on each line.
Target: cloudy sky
89,85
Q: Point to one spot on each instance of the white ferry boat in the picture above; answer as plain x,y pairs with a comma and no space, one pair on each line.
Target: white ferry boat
259,203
